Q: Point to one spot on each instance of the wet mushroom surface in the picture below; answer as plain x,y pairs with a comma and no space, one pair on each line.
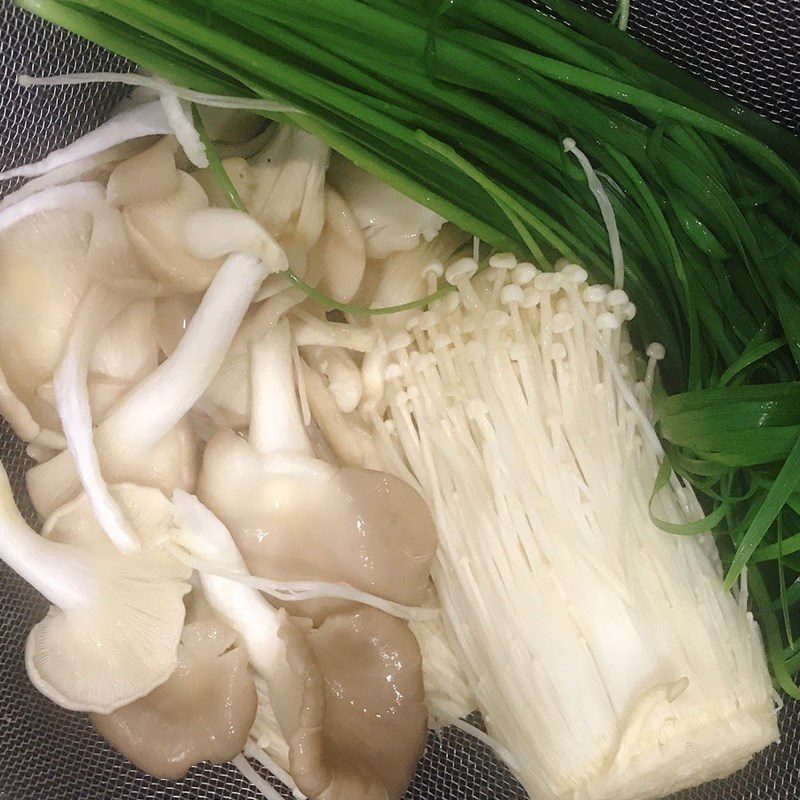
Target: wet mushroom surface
362,723
203,712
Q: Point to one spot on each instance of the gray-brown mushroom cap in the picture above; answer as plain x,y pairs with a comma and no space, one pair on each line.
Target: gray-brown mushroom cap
203,712
362,724
362,527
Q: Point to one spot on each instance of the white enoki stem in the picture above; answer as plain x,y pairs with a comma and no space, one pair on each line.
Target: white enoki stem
243,765
289,591
159,85
605,209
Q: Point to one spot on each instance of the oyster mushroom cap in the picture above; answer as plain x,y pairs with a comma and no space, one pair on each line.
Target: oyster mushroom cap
340,250
391,222
203,712
238,171
42,279
146,176
352,525
119,644
147,509
127,350
288,186
112,632
362,721
172,462
49,257
155,230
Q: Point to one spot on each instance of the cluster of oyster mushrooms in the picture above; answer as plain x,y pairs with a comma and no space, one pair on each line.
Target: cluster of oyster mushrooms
227,564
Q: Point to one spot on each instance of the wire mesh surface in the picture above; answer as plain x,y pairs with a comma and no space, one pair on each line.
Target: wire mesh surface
749,49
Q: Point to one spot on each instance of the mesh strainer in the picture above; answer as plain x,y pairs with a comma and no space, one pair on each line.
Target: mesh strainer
748,48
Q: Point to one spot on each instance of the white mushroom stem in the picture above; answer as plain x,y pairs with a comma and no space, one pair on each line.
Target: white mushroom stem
352,443
341,372
71,172
276,423
244,608
156,405
158,85
310,330
606,210
214,232
432,272
458,274
180,121
145,120
70,384
55,570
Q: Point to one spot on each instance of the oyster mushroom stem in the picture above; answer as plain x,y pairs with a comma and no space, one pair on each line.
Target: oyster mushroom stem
70,383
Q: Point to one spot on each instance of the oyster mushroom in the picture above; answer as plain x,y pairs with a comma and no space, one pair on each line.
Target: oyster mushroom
346,434
288,186
238,171
203,712
155,230
145,438
111,634
145,177
390,221
339,250
375,718
348,697
148,510
54,245
127,350
295,517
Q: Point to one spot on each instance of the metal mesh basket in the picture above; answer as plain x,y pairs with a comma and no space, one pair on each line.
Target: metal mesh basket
748,48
